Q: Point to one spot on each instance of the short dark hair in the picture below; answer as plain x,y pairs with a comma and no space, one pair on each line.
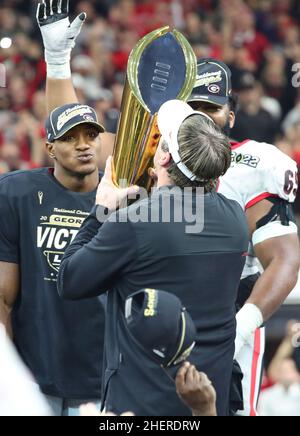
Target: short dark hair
204,150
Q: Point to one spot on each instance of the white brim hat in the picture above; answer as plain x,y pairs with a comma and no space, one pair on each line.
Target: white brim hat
170,117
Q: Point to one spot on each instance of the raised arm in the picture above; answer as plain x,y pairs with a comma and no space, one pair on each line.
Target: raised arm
64,93
59,37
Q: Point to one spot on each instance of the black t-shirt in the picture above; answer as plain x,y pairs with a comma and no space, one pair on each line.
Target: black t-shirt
60,341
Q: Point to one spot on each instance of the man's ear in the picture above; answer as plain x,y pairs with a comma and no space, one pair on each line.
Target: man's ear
231,119
50,150
164,159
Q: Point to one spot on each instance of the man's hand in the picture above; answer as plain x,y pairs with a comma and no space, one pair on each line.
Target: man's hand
59,35
108,194
196,390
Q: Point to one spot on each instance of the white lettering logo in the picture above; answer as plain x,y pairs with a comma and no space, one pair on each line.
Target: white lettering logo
72,113
214,89
57,239
40,196
296,77
209,78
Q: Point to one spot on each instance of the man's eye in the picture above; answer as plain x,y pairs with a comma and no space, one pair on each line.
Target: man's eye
212,109
68,138
93,134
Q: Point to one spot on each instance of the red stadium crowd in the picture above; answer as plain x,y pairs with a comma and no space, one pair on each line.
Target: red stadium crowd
259,40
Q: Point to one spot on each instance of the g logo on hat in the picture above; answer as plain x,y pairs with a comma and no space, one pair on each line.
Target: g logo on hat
214,89
88,118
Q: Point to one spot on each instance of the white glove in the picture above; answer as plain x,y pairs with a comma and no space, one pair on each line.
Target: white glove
59,35
248,319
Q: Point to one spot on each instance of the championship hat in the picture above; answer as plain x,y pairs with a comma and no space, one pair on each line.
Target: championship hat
64,118
213,82
160,325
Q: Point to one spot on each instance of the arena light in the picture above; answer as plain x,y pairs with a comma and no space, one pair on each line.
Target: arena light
5,42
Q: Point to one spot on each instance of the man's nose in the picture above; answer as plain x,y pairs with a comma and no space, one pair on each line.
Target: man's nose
82,143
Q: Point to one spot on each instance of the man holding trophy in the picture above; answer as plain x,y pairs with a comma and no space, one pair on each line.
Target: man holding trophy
119,255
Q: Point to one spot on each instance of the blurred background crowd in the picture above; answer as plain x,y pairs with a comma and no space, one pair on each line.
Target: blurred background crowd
258,39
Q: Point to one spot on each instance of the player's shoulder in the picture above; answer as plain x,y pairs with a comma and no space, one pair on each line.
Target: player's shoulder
15,176
230,205
17,181
230,211
275,172
263,154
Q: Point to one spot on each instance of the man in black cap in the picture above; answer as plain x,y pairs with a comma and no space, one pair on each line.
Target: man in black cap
41,211
264,182
252,120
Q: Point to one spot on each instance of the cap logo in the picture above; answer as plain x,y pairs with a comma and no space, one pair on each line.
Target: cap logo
208,78
88,118
214,89
151,303
73,112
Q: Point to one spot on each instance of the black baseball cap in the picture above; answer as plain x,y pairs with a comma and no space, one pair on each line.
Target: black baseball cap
213,82
64,118
244,81
160,325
